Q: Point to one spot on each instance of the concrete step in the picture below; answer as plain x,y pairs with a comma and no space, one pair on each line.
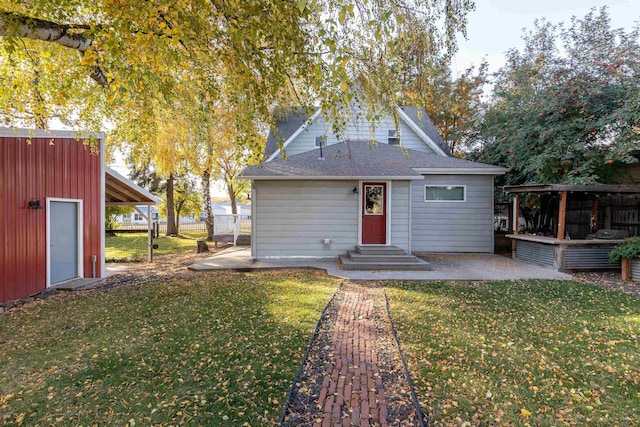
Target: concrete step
355,256
347,263
379,250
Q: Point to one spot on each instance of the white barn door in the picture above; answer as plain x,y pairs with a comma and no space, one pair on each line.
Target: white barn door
65,250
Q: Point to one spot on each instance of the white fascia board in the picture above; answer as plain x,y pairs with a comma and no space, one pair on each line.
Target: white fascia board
413,125
131,184
305,125
49,133
461,171
334,178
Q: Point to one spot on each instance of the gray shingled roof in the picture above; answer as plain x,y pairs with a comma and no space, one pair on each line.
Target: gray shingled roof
358,159
294,119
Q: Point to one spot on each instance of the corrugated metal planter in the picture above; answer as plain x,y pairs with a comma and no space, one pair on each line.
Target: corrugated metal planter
635,269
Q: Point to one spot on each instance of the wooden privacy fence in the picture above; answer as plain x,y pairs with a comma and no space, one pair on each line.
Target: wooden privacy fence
620,213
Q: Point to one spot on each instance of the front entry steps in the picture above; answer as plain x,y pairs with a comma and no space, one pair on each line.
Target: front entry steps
381,257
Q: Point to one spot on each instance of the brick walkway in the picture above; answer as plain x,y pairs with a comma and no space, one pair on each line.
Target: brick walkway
353,371
354,385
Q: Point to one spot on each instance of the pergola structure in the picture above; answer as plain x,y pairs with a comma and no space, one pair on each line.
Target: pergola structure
596,190
121,191
557,251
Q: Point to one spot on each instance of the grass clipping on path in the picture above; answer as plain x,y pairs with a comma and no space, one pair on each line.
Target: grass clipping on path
210,349
521,353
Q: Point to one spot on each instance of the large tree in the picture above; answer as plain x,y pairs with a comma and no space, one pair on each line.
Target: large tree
425,80
235,146
143,54
564,109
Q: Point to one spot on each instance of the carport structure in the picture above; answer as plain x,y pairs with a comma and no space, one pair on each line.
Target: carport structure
121,191
599,216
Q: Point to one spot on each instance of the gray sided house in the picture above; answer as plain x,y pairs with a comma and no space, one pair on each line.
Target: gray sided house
403,189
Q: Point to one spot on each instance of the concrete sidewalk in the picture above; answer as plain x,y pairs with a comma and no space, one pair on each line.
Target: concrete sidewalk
445,267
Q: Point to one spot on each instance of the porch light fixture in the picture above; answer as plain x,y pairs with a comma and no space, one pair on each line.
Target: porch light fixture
355,190
35,204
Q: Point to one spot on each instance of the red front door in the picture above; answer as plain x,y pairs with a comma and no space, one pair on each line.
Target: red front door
374,213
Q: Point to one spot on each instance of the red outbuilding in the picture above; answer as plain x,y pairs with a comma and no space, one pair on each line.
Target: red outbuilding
52,199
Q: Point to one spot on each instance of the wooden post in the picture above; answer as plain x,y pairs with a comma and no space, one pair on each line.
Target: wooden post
516,213
607,217
626,269
594,214
150,235
562,215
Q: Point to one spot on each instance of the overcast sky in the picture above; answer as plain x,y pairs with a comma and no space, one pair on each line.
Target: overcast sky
496,25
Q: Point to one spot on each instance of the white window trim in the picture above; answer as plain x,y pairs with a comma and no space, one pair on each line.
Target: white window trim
80,269
464,193
396,136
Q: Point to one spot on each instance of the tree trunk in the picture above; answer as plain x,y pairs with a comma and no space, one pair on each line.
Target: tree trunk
171,216
206,189
232,197
179,206
18,25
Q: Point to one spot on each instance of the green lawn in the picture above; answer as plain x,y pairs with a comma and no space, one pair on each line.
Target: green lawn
132,247
537,353
209,349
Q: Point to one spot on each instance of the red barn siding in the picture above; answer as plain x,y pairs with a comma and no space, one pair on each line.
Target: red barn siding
64,169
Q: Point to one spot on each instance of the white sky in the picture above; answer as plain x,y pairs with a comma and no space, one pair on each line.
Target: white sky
496,25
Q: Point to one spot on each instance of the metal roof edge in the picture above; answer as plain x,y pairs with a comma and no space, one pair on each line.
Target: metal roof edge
47,133
129,183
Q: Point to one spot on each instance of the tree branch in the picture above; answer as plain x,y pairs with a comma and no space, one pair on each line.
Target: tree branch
16,25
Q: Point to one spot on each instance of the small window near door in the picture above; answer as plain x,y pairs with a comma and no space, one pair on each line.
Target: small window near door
321,141
392,137
444,193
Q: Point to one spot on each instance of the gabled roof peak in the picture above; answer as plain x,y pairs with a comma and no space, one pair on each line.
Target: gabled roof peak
291,123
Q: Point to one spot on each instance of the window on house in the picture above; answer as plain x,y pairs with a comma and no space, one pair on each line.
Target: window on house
155,216
321,141
444,193
392,137
137,217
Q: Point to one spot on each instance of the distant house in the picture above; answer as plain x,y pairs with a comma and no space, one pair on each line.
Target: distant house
53,190
241,208
138,217
334,192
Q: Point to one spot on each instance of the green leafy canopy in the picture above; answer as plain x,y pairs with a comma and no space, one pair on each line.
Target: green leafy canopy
564,109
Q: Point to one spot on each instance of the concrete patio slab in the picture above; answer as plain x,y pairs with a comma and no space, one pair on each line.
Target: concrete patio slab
445,267
112,268
75,284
